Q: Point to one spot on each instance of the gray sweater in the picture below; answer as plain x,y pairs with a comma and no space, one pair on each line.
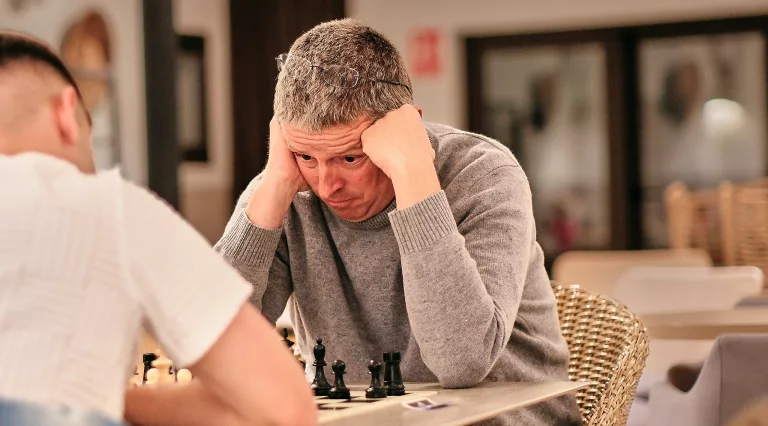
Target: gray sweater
456,283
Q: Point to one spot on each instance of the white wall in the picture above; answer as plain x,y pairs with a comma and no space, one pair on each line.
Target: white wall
443,97
205,189
48,20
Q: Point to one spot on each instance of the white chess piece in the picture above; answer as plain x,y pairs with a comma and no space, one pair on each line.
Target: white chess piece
163,365
183,375
152,376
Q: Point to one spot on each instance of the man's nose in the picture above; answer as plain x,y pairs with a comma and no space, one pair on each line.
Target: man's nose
329,182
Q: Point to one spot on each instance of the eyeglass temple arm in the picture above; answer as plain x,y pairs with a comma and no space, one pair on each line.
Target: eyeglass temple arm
396,83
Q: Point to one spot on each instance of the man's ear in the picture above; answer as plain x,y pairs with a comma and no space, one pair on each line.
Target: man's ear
65,114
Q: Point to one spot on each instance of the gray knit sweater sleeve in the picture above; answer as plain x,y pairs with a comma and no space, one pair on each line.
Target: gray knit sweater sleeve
259,255
463,282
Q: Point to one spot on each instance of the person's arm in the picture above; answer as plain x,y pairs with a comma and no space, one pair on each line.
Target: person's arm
259,253
252,238
196,306
237,382
463,284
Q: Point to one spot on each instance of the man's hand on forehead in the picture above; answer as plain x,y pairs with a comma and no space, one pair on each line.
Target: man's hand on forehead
280,182
398,144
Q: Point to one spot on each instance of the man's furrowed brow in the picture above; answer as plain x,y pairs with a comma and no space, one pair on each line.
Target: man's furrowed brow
356,149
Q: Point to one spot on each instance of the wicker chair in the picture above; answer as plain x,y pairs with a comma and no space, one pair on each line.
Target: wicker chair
608,346
744,224
693,219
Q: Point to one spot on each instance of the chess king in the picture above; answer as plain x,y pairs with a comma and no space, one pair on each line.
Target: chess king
389,233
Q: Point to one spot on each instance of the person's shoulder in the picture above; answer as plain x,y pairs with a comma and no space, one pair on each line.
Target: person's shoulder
59,184
468,156
136,195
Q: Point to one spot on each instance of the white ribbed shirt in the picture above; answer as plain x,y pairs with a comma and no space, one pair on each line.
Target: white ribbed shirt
85,262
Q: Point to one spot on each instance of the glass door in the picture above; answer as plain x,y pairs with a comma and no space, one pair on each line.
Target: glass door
548,104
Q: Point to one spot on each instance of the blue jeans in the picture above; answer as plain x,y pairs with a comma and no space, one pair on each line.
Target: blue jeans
15,413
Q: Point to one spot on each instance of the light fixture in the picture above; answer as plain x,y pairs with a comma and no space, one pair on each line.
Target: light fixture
723,118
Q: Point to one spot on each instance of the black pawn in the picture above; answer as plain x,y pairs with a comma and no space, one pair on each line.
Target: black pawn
396,387
376,390
339,389
147,358
320,384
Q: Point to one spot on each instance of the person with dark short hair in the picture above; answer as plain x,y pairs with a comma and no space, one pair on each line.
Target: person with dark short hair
87,258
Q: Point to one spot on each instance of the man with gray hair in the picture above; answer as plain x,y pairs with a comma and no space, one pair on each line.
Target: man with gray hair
384,233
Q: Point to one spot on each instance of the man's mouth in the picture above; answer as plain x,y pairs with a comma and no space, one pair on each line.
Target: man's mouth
338,202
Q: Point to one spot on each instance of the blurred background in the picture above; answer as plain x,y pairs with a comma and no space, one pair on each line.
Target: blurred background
615,108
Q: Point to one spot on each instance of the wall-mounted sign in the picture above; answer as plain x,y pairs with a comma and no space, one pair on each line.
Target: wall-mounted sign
425,52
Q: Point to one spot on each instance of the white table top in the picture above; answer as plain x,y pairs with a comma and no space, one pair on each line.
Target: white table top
706,325
468,405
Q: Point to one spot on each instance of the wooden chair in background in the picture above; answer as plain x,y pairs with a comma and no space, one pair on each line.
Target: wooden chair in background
744,224
693,220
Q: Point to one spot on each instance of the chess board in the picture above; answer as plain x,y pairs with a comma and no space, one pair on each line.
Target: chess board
358,404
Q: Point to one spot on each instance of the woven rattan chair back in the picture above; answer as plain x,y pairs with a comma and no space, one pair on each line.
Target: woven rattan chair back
608,346
744,224
693,220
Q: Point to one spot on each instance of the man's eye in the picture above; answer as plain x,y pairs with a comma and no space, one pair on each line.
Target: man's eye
351,159
304,157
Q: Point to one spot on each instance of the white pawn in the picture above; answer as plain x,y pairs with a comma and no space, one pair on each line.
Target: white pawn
152,376
183,375
163,365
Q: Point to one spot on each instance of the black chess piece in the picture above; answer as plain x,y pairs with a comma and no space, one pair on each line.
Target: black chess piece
376,390
320,384
147,359
396,387
387,369
288,342
339,389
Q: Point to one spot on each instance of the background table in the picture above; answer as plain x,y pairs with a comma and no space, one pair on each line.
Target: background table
468,405
707,324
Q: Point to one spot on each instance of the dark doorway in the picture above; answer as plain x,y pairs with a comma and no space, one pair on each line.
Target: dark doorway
160,46
261,30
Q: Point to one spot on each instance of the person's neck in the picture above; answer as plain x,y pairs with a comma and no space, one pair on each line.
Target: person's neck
8,148
17,146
